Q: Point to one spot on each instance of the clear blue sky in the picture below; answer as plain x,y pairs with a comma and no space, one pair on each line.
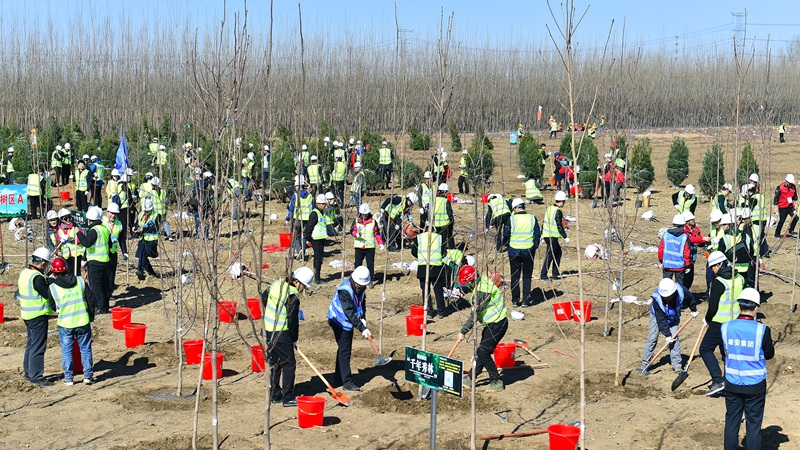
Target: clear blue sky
698,22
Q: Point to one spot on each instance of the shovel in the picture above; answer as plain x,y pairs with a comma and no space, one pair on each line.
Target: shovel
664,347
339,396
524,345
684,374
381,360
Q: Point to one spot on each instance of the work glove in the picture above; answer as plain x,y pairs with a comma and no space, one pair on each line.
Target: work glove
366,333
383,248
688,270
125,256
397,227
455,293
671,339
695,313
364,322
566,240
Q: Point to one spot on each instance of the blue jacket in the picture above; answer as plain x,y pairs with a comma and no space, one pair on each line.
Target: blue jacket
668,314
347,308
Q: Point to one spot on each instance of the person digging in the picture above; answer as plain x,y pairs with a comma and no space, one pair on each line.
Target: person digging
488,300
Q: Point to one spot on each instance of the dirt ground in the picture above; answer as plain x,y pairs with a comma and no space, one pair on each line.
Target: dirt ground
134,405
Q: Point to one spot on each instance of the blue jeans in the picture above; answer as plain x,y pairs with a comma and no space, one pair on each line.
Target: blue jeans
84,337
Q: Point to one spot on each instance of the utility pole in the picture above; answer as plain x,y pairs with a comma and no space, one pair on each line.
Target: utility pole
739,20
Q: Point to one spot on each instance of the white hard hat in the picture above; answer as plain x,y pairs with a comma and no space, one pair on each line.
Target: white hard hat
321,198
359,142
156,181
113,208
361,276
594,251
149,175
304,275
63,212
352,141
357,165
326,139
115,173
85,156
716,215
67,146
313,157
687,216
689,189
751,295
427,175
94,213
666,287
266,147
715,258
207,174
162,147
41,254
678,220
517,203
384,143
52,215
329,196
304,147
607,156
198,171
444,187
726,220
251,155
364,209
10,149
188,144
444,155
413,197
790,178
561,196
299,180
753,177
338,144
470,260
727,186
746,188
517,315
147,205
465,152
58,147
94,158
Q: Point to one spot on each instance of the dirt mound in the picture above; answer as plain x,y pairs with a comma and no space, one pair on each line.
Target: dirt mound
401,399
164,399
160,353
601,385
11,382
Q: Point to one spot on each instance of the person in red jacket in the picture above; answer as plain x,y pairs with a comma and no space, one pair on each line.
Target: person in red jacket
785,205
696,239
673,251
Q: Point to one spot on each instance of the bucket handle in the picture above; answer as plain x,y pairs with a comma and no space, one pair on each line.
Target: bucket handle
309,413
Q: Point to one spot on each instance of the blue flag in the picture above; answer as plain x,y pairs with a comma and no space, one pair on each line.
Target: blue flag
121,163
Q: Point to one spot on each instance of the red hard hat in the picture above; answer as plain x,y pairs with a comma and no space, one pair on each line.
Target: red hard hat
59,265
466,274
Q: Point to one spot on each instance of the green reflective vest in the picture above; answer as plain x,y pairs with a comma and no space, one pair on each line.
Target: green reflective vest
302,207
429,249
522,226
320,230
82,180
152,149
99,171
531,191
462,164
499,207
247,167
365,235
146,190
161,157
31,304
760,211
99,250
384,156
425,195
142,221
113,230
339,171
34,185
550,227
394,211
71,304
440,218
715,202
160,202
55,161
313,174
453,257
69,248
358,182
495,309
728,308
685,204
275,311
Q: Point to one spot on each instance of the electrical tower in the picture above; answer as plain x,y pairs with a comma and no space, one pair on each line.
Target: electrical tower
739,21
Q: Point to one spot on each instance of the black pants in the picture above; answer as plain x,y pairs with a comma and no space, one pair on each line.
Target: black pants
35,203
369,255
59,176
319,254
448,239
463,185
521,266
123,231
491,336
65,172
338,190
80,201
111,274
97,197
552,257
780,135
386,174
391,235
711,341
783,213
344,341
282,364
763,246
298,239
33,362
74,262
688,276
752,405
499,224
677,276
143,252
98,283
436,280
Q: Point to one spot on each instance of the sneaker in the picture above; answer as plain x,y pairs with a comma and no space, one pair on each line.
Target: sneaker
140,275
68,382
276,400
677,369
495,386
643,370
515,304
88,381
440,316
792,235
716,387
527,304
351,387
289,403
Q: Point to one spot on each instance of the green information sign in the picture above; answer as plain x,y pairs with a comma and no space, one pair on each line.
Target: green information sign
434,371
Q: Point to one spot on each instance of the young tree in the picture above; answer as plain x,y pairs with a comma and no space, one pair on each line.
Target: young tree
530,159
455,139
586,158
747,165
678,161
713,175
640,170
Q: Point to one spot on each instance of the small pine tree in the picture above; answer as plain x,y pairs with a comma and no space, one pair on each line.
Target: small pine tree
480,163
678,161
747,165
418,141
713,176
481,139
587,158
455,139
640,168
530,159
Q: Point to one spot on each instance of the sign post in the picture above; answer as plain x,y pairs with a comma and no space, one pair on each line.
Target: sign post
435,372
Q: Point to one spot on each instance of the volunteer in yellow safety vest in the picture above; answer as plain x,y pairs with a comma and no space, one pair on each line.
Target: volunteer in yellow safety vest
394,210
497,216
35,191
147,229
425,193
523,235
429,251
487,300
35,305
55,163
338,177
282,324
315,176
367,234
463,174
552,230
68,240
74,318
317,230
247,175
685,200
82,187
98,245
115,228
532,192
442,213
300,206
385,160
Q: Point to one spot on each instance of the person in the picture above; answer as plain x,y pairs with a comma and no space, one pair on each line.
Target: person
393,210
720,201
665,317
159,197
97,243
559,163
115,228
432,279
146,189
82,187
552,230
674,252
497,216
66,164
425,193
696,239
233,192
34,191
532,192
112,185
782,132
315,178
338,150
715,235
35,307
541,161
523,236
332,212
123,199
99,170
785,205
55,163
358,185
746,266
8,166
317,230
443,216
736,244
553,129
282,324
348,311
366,232
759,215
147,228
592,131
68,240
247,175
68,291
489,306
338,177
722,307
52,231
300,211
266,156
748,345
385,161
463,174
685,200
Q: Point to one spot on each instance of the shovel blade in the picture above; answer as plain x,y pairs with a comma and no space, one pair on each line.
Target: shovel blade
682,376
382,361
341,398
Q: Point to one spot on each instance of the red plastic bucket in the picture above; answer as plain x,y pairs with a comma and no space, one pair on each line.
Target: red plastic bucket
2,311
587,311
414,325
257,358
504,355
226,311
134,334
285,239
310,411
416,310
120,317
193,350
64,195
575,190
563,437
562,311
254,306
207,373
485,198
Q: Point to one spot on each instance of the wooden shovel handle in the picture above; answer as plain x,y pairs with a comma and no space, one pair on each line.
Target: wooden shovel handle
315,370
453,350
666,344
697,344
